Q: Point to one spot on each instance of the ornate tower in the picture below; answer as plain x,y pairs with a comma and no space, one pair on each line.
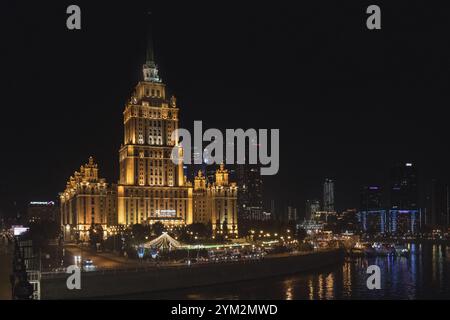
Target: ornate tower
223,195
86,201
151,187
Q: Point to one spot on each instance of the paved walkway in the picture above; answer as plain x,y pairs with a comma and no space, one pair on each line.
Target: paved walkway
101,260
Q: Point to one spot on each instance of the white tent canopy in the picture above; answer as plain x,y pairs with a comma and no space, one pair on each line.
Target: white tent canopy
164,241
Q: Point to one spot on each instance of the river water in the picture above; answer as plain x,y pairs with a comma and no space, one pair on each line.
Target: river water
425,274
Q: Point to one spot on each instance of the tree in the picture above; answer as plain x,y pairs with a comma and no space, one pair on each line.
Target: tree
225,226
158,228
95,234
41,232
140,231
199,229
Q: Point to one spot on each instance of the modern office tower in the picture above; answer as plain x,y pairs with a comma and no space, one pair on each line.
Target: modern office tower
372,217
371,198
312,206
438,213
250,184
404,213
86,201
403,187
151,186
328,195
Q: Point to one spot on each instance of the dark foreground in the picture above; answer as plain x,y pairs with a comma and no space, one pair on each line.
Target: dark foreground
424,275
129,282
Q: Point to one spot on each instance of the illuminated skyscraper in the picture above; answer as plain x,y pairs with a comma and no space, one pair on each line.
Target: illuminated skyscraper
151,187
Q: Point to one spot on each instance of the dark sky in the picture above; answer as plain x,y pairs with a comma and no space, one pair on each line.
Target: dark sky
349,102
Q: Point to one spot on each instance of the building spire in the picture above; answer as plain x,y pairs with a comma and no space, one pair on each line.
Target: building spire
150,58
150,69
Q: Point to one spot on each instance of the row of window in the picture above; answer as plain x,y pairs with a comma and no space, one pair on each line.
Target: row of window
153,92
156,193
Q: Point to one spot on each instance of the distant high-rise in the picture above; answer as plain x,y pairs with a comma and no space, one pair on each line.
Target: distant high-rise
370,198
250,184
328,195
312,206
438,213
372,216
403,184
404,213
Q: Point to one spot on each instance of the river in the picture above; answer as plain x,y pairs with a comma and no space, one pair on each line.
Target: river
425,274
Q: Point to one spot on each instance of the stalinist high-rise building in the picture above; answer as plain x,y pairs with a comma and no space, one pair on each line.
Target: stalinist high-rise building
151,187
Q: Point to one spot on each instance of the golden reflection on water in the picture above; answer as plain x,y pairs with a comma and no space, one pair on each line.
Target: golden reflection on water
321,283
311,289
347,279
289,289
330,286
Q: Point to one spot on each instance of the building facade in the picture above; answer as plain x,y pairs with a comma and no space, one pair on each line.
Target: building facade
223,195
216,203
202,204
87,201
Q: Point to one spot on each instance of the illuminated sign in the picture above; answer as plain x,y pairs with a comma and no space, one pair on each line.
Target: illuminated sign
43,203
18,230
166,213
409,164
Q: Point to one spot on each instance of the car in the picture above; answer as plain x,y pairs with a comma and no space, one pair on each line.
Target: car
88,265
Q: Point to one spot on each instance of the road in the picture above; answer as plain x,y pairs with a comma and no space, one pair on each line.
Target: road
100,260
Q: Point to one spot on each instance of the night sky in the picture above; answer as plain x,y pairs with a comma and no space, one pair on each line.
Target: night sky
349,102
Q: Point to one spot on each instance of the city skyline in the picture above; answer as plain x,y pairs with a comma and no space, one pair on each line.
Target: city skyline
328,147
229,154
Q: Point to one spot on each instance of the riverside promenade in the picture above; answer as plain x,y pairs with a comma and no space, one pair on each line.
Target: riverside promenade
131,280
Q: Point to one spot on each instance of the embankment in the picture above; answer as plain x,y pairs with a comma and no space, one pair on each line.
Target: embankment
115,283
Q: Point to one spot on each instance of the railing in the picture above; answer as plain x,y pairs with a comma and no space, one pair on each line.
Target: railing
165,265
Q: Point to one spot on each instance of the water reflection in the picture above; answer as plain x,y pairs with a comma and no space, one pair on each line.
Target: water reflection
422,275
